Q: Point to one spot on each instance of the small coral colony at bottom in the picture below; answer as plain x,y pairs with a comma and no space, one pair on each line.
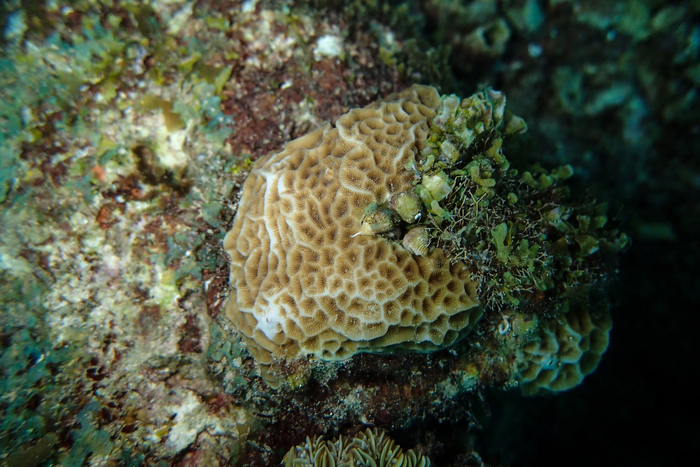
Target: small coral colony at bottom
403,227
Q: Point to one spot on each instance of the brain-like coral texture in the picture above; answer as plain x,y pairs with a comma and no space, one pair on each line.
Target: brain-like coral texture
310,272
566,351
371,447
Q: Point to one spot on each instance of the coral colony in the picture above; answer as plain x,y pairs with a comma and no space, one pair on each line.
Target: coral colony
397,228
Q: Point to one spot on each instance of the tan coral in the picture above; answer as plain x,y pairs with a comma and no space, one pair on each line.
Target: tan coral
565,352
371,447
306,280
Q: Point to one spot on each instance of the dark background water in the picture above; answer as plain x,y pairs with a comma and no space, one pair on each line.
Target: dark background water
640,406
641,155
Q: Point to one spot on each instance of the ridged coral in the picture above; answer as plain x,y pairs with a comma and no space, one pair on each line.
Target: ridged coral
373,447
310,273
565,351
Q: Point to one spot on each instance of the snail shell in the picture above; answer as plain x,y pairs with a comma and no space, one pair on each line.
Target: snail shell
417,241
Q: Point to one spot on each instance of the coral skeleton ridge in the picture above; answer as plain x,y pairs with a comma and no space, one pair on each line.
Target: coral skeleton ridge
310,273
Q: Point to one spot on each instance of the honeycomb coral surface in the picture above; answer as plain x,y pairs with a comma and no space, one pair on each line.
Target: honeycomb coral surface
566,351
308,277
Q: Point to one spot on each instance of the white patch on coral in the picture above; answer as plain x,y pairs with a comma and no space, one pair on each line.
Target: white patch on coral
249,6
180,18
265,45
165,291
329,45
16,265
170,150
112,264
188,419
191,419
273,321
